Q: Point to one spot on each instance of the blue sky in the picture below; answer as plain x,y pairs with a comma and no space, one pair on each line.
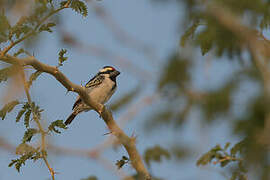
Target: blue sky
156,26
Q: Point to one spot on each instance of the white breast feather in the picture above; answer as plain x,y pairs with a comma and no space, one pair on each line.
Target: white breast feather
103,92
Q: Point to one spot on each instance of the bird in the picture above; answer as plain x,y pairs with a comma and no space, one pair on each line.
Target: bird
100,89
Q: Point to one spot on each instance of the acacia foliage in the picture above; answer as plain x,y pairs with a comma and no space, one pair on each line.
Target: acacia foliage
175,84
203,31
36,22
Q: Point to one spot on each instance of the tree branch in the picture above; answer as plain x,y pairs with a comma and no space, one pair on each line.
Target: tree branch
126,141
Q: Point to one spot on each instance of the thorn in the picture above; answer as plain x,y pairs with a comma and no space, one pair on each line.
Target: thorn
52,171
100,111
67,92
107,133
133,137
56,70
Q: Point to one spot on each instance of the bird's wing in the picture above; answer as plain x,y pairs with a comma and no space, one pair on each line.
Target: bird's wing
96,80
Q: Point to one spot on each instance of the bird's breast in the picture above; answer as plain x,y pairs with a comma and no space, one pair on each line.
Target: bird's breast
103,92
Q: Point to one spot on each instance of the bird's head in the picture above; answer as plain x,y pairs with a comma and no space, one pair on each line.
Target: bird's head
109,71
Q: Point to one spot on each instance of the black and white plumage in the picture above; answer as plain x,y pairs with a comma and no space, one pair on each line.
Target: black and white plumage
100,88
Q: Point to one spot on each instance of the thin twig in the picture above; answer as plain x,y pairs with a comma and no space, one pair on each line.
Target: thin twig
33,32
41,130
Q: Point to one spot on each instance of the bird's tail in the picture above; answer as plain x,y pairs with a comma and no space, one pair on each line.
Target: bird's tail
70,118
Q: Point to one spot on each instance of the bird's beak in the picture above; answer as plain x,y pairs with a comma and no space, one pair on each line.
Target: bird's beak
116,73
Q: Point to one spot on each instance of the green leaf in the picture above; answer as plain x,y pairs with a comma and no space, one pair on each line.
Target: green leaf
265,22
77,5
176,72
120,163
25,107
29,134
13,161
20,28
19,31
61,57
43,2
39,11
8,108
189,33
206,39
4,27
238,147
57,123
80,7
209,156
20,161
20,51
27,152
33,77
218,102
206,46
37,156
27,118
47,27
155,154
20,113
227,145
25,149
224,163
36,110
